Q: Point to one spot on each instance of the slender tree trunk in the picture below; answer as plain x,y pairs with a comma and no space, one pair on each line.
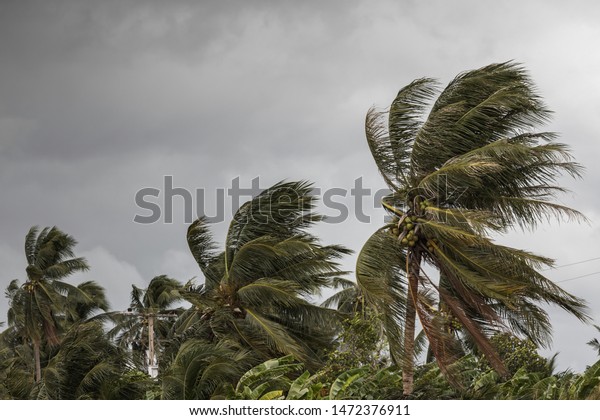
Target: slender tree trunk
38,365
151,338
151,351
440,306
408,368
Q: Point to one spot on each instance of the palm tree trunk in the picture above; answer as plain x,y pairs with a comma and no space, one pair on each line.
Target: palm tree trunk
408,368
440,306
151,345
36,356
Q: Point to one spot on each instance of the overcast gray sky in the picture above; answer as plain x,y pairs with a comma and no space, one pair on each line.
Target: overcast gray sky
99,99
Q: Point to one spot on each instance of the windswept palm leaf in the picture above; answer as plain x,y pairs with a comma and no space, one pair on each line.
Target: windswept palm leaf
594,343
201,368
86,363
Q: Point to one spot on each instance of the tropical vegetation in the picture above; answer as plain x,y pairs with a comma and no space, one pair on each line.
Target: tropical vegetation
439,309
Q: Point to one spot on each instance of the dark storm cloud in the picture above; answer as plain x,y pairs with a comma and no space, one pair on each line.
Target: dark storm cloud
100,99
194,75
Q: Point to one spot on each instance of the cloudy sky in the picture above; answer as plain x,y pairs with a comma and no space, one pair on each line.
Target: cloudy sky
99,99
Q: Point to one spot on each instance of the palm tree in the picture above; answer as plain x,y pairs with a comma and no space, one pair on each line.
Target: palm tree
15,352
148,319
257,291
460,168
38,305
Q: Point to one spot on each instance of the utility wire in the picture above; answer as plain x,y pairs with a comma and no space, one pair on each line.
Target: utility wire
575,263
578,277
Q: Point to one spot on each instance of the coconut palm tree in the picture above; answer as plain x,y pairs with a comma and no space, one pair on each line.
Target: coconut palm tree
257,291
16,357
38,305
148,319
463,164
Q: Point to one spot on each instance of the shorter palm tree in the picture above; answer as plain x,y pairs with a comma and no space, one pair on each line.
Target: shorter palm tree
37,306
16,355
257,291
148,320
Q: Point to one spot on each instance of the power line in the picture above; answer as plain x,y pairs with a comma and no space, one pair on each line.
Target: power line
575,263
578,277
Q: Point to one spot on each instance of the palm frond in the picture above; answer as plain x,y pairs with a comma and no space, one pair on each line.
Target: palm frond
30,244
200,368
381,277
203,247
162,292
286,209
476,108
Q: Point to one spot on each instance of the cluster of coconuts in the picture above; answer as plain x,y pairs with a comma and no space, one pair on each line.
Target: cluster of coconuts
455,324
410,238
424,204
406,229
451,321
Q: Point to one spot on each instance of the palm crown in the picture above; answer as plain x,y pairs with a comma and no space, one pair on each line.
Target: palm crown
257,290
149,309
